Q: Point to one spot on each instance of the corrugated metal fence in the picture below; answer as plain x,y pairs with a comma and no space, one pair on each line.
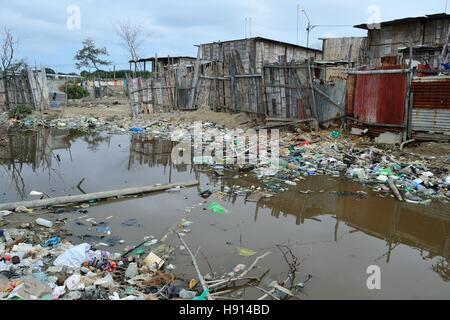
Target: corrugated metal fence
431,101
380,99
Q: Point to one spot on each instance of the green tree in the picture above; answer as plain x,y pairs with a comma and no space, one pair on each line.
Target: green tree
90,56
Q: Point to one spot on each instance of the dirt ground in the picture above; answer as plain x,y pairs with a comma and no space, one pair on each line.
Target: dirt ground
119,108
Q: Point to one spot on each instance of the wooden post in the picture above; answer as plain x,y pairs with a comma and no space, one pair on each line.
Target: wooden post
408,107
216,86
233,87
194,83
311,83
265,109
287,81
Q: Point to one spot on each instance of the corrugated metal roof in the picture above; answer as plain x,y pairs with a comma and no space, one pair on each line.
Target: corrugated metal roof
161,59
267,40
425,18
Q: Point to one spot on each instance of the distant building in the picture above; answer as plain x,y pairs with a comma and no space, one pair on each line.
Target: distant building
158,64
389,43
253,53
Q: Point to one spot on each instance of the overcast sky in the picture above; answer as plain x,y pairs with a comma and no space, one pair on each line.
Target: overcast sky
174,26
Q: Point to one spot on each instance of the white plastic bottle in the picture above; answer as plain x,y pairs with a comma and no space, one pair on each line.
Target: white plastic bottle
44,223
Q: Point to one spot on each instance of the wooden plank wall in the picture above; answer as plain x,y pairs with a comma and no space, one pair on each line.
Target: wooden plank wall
260,78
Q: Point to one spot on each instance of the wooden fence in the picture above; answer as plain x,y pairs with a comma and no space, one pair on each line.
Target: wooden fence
282,90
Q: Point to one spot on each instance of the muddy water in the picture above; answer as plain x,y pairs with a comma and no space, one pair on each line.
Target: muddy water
336,232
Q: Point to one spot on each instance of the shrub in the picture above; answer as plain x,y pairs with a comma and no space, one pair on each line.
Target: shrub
20,111
74,91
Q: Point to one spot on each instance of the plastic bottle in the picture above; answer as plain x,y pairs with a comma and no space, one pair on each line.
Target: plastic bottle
421,188
44,223
184,294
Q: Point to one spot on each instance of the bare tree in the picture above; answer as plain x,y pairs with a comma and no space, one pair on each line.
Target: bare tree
131,36
9,46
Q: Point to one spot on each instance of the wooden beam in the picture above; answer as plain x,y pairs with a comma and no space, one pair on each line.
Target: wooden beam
368,72
94,196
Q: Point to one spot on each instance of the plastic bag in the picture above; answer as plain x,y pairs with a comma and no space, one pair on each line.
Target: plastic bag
217,208
245,252
137,130
52,242
74,283
203,296
73,258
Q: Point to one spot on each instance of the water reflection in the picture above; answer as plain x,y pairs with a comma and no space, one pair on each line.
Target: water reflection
426,228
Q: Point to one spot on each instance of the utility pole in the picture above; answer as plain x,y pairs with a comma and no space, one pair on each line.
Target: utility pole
245,27
308,28
298,21
248,27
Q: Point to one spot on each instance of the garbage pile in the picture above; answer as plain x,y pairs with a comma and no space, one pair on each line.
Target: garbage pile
309,154
314,154
37,264
113,125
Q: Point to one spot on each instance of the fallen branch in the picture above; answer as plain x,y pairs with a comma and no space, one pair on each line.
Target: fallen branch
194,261
242,275
268,293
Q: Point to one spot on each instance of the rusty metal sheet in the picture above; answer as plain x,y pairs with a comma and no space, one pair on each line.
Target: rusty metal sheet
380,98
431,92
350,95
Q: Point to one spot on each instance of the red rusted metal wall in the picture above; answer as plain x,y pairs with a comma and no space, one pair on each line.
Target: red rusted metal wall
431,92
431,111
380,98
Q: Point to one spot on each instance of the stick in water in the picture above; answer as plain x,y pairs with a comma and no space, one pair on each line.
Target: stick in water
194,261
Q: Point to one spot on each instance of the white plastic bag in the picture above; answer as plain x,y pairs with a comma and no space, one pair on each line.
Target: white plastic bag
58,292
74,283
106,282
73,258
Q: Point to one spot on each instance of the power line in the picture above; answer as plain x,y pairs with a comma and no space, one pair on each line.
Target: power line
291,29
